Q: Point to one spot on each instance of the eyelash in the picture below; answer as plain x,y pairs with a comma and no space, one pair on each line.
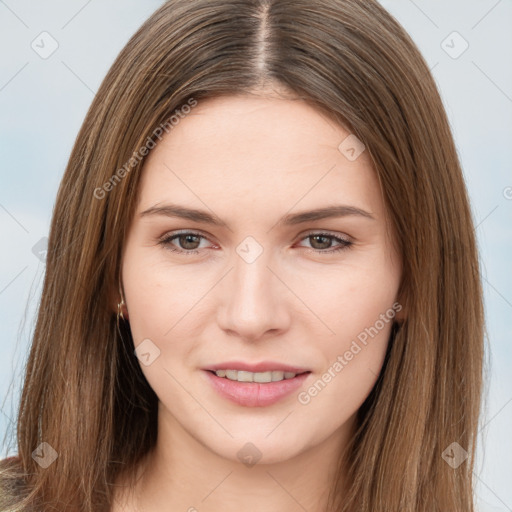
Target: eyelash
166,242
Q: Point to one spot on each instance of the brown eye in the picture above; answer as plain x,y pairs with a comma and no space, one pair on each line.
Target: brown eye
189,241
322,243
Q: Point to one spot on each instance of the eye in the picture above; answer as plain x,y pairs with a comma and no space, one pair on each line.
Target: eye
188,240
322,241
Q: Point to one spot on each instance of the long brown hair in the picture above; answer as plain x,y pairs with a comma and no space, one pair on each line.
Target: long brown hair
84,393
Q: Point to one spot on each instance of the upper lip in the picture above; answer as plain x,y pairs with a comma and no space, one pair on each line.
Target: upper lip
263,366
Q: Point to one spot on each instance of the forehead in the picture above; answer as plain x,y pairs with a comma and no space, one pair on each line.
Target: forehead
256,126
249,149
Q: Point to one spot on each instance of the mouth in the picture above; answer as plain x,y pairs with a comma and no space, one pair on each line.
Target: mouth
255,368
257,377
267,386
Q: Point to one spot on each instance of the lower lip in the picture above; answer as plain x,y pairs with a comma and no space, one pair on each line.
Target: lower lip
255,394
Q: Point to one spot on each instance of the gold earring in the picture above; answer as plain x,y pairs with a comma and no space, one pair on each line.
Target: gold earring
120,306
120,310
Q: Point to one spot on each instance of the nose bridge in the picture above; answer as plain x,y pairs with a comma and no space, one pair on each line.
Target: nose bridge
254,301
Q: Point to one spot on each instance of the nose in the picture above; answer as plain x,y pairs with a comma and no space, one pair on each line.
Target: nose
254,301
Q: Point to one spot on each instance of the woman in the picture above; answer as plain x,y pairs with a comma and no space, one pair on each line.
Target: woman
262,283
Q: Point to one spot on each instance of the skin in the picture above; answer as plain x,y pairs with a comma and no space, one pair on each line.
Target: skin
251,159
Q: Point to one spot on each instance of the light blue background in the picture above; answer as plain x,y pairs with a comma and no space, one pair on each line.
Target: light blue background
43,103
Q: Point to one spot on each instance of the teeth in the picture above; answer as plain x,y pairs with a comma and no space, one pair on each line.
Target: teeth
244,376
231,374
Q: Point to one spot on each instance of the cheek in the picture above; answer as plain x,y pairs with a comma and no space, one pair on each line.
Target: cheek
156,293
357,300
155,305
164,307
360,308
362,327
352,361
147,300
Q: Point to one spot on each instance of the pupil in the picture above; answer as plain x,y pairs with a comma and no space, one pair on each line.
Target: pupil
185,239
326,239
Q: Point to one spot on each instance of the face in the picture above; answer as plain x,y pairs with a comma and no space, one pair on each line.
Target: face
253,282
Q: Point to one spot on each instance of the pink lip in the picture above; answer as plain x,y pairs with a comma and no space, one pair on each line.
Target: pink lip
254,394
264,366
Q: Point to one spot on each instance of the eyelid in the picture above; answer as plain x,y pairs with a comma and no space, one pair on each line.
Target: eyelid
344,242
174,234
326,232
299,237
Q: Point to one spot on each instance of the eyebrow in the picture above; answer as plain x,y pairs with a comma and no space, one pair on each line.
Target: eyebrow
174,210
